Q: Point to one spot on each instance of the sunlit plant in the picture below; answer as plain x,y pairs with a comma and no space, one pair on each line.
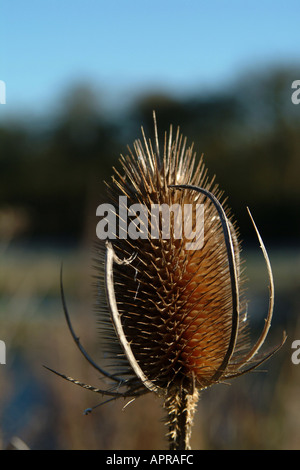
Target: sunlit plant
173,320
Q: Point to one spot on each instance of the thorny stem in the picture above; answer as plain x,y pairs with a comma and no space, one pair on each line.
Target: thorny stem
180,406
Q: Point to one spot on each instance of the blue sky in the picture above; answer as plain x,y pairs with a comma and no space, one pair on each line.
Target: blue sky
126,46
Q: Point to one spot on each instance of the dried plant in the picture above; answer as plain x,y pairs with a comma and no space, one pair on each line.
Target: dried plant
173,320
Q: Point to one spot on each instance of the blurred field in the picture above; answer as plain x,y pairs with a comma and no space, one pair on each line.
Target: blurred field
257,411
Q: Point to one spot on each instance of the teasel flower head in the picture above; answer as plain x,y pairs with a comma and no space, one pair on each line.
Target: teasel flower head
171,307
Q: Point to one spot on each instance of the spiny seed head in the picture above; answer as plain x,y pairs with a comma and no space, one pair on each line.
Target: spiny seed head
171,312
179,311
175,303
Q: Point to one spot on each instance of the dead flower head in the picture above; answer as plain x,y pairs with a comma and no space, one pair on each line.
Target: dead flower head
173,320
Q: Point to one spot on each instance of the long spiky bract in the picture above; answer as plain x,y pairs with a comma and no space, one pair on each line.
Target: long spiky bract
172,319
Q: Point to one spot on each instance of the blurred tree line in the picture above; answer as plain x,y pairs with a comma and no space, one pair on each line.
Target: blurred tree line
249,134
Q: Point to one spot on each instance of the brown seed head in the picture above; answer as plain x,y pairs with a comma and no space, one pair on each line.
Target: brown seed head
182,312
173,315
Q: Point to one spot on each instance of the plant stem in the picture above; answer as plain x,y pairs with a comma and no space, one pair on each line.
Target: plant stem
180,406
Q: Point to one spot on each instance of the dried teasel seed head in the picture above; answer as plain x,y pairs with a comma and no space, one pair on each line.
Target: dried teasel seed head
175,304
170,300
176,311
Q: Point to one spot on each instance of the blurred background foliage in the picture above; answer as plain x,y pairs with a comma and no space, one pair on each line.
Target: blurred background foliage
53,169
51,181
